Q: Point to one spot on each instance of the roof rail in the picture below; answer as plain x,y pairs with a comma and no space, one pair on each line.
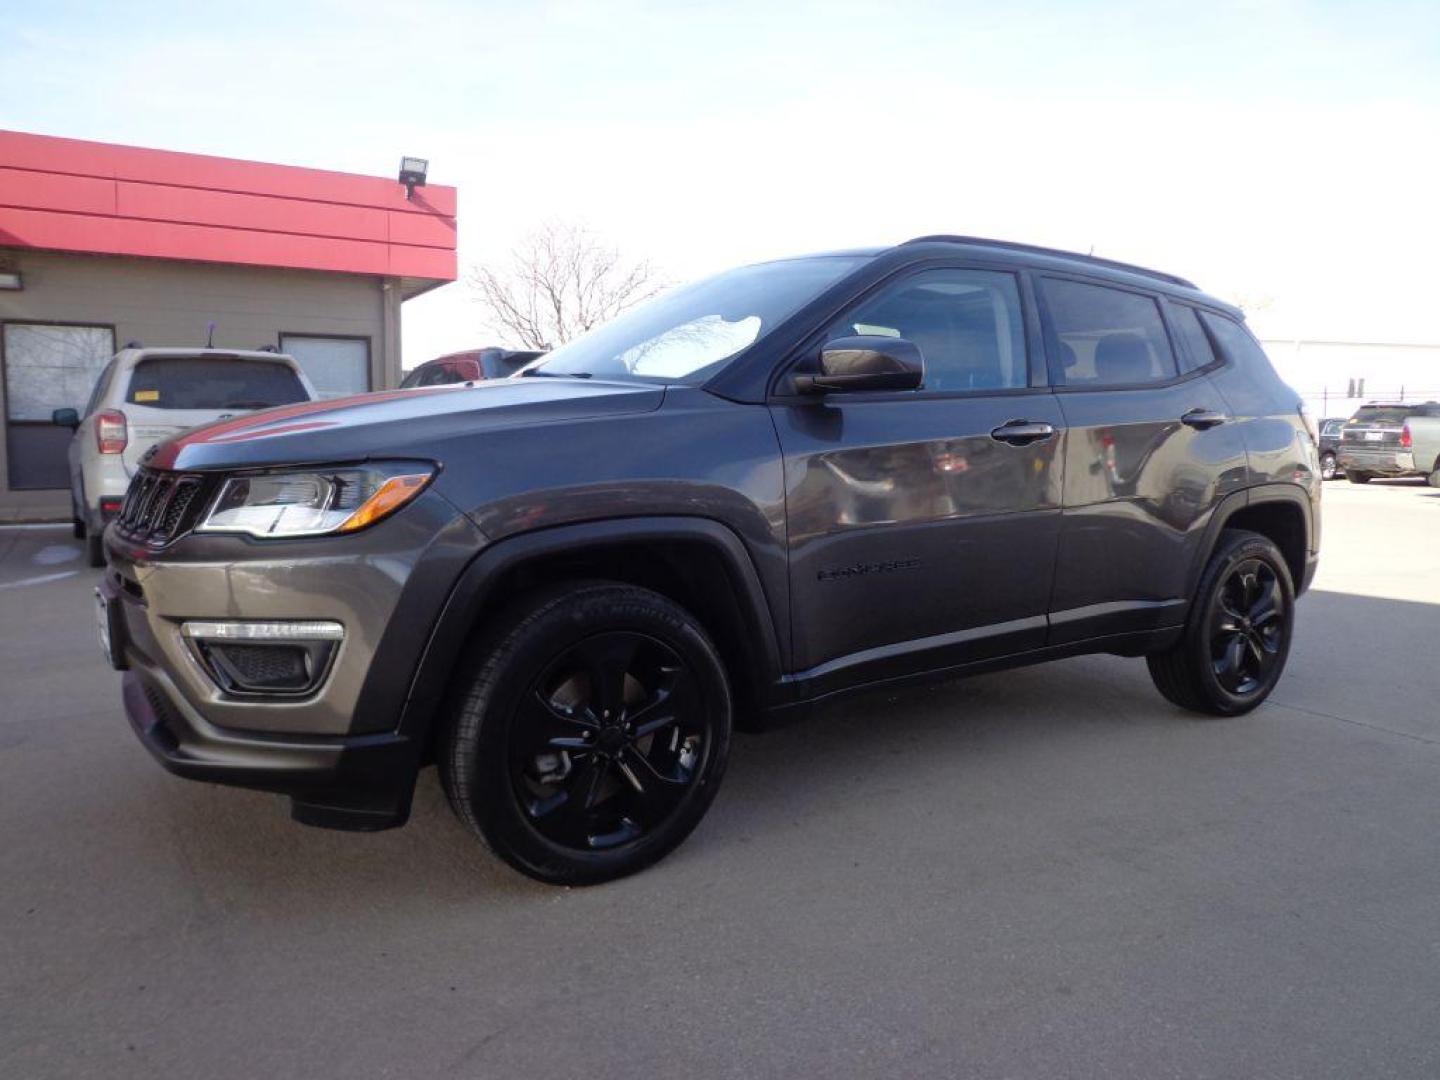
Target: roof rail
1035,249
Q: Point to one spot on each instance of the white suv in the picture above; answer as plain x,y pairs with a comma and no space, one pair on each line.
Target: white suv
145,396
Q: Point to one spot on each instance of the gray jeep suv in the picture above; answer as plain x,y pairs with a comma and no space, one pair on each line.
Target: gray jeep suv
790,480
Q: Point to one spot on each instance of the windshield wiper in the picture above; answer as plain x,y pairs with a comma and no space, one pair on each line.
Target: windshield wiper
539,373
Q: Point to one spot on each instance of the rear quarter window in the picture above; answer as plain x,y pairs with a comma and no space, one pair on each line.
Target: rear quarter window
200,382
1235,341
1195,349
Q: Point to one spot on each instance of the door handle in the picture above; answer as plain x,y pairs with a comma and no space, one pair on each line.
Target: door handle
1203,419
1022,432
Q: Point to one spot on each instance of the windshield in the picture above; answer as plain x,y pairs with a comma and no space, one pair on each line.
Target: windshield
210,382
686,335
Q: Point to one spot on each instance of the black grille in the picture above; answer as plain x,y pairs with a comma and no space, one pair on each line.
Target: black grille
160,506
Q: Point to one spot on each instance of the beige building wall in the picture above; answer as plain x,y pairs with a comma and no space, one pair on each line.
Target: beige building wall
164,303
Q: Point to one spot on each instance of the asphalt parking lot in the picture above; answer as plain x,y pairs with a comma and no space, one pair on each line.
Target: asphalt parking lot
1042,873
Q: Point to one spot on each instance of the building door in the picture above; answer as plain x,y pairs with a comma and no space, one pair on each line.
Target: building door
47,367
336,365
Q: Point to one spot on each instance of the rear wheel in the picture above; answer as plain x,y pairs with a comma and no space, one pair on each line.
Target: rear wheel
1237,637
1357,477
1327,466
593,736
1434,478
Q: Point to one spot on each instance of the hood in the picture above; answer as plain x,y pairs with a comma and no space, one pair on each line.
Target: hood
396,423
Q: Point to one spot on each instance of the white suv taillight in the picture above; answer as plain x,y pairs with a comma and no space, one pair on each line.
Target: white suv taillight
111,434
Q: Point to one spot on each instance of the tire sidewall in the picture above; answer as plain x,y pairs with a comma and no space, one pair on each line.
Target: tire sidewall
510,673
1243,547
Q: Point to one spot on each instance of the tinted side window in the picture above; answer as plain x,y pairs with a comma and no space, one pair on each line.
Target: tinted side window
966,322
429,374
1105,336
1234,340
1195,348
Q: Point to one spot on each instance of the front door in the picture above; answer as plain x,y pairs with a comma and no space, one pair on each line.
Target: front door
921,533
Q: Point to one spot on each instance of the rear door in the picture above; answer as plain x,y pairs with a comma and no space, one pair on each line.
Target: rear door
1151,449
920,533
166,395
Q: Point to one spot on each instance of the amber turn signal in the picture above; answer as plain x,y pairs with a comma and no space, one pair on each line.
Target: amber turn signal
389,497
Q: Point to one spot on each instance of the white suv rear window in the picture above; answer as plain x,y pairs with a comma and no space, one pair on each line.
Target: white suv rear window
203,382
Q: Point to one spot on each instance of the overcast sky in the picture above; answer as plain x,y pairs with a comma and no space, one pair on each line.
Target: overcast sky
1283,154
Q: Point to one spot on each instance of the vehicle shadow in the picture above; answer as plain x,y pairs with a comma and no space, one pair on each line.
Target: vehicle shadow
1056,730
873,743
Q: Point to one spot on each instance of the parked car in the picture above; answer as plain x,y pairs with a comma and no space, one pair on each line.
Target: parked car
1392,440
471,366
1330,447
791,480
144,396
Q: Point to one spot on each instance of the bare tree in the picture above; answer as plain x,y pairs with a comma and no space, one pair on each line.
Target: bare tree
559,282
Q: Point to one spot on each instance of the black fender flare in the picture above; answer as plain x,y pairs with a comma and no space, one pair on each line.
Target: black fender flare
465,607
1240,500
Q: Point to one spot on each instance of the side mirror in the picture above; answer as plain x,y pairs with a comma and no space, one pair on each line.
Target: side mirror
865,363
65,418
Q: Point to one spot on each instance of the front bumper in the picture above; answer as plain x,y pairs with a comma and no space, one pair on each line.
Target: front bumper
1378,462
344,752
362,783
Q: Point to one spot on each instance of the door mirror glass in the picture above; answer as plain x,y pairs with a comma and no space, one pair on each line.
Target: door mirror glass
865,363
65,418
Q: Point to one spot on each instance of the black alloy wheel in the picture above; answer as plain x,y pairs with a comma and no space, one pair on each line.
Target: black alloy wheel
607,741
590,731
1247,627
1236,638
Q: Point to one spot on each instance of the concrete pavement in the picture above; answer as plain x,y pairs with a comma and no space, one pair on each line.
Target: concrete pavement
1040,873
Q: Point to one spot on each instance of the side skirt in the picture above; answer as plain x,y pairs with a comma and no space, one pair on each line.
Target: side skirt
1130,644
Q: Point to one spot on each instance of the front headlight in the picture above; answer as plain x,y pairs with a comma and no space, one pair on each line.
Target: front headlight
313,502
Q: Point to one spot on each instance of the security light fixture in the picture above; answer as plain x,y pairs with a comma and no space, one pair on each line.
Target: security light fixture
412,174
10,279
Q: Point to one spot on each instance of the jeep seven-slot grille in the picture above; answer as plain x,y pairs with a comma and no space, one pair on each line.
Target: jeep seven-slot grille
160,506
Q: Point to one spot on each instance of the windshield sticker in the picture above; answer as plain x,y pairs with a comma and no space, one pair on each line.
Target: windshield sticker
147,395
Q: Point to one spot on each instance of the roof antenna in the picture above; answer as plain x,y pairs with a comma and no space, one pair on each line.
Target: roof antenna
1091,251
210,335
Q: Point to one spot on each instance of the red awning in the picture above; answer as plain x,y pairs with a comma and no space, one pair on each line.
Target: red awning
70,195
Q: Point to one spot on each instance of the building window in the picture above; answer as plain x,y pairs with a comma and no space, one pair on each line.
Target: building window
335,365
47,367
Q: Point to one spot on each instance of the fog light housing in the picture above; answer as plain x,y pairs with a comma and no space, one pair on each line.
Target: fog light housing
265,659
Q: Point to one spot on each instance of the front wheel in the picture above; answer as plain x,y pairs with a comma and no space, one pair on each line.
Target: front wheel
1327,466
592,737
1237,636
